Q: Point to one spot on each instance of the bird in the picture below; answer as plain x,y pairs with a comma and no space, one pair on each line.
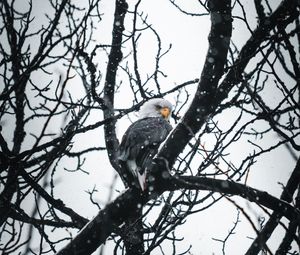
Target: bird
142,139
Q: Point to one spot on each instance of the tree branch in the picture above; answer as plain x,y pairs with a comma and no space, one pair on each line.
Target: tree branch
272,223
108,219
114,59
219,39
115,213
208,97
204,102
233,188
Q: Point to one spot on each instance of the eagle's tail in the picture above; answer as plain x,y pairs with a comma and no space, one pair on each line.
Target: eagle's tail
142,180
140,177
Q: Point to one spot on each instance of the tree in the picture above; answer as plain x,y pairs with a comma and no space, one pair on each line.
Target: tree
44,116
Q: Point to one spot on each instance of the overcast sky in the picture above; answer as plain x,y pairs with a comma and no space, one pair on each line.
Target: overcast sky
188,36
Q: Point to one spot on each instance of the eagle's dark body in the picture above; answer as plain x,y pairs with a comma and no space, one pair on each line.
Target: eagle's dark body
140,144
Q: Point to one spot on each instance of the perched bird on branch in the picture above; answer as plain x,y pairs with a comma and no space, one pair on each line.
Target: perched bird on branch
141,141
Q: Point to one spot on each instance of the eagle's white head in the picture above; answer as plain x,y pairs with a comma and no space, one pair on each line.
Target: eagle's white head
156,107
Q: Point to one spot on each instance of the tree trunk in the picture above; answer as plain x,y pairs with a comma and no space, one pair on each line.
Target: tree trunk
133,233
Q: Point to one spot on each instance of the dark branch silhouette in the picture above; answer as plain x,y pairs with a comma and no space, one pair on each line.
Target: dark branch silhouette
62,83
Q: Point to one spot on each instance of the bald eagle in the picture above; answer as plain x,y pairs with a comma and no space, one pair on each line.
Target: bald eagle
141,141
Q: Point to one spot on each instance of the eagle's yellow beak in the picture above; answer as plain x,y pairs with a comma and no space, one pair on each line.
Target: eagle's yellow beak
165,112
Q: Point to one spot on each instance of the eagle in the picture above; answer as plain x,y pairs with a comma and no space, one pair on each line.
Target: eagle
142,139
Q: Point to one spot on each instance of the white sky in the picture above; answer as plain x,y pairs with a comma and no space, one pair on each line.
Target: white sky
188,36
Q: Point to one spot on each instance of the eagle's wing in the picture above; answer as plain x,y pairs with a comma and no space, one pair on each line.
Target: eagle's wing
140,143
142,134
